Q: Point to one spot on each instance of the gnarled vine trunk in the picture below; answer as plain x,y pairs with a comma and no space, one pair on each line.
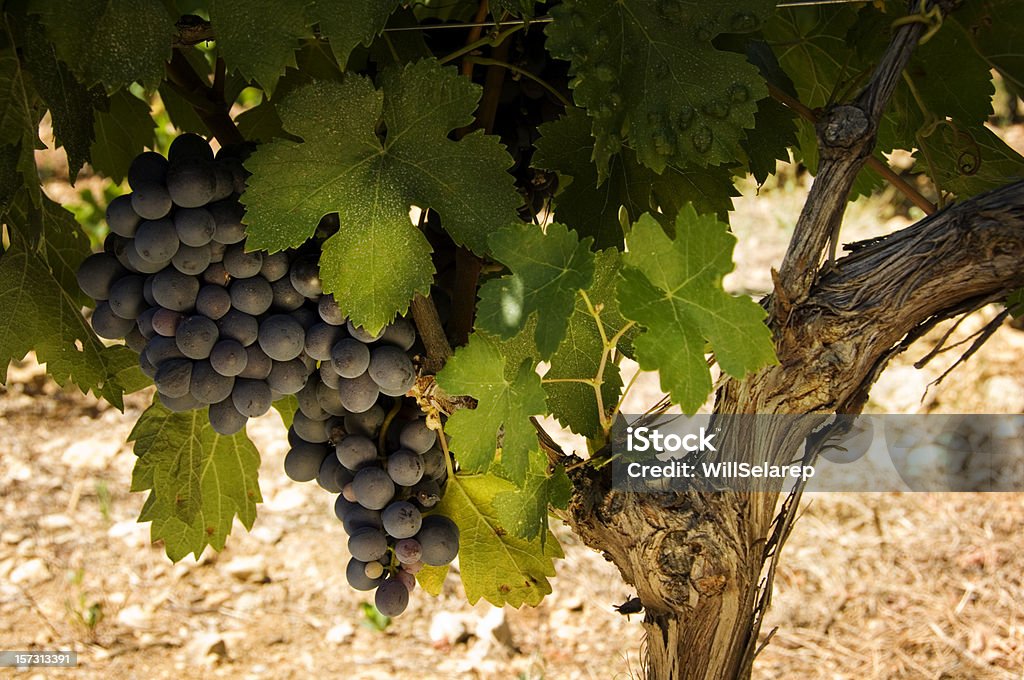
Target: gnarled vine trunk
700,561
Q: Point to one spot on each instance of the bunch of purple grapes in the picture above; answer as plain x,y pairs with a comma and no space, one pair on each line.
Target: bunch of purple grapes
230,330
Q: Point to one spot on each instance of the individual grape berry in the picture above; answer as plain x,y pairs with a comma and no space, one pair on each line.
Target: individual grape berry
373,569
189,145
97,274
302,463
373,488
159,349
329,311
391,598
174,290
330,476
251,398
148,167
405,467
258,365
413,567
239,326
156,240
286,298
121,219
135,340
145,322
109,325
228,357
320,338
417,437
288,377
275,266
191,260
400,333
355,574
329,399
392,370
191,182
407,550
367,423
334,428
356,452
354,516
225,418
310,430
252,295
306,317
368,544
209,386
350,358
166,322
349,492
227,215
439,540
179,404
151,201
215,274
241,264
281,337
407,579
358,394
305,278
126,299
196,337
194,226
360,334
213,302
401,519
174,377
308,403
328,376
217,251
136,263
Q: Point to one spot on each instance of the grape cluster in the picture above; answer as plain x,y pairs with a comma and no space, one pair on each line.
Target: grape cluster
218,327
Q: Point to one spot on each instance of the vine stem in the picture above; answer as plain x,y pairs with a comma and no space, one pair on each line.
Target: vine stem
492,40
212,110
484,61
872,162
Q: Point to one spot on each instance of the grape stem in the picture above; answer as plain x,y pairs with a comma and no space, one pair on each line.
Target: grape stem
210,108
484,61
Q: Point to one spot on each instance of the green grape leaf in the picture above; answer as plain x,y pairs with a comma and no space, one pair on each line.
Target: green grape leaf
351,23
286,407
10,179
261,123
996,29
673,288
431,579
53,232
71,104
574,405
198,480
968,160
774,132
494,564
649,70
505,403
379,260
591,206
524,511
20,113
110,42
951,79
121,134
36,313
547,270
812,48
259,37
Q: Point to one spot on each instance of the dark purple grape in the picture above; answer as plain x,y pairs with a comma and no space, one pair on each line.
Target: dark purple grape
241,264
191,182
252,295
281,337
108,325
225,419
213,302
228,357
329,311
288,377
251,397
196,337
239,326
189,145
305,278
148,167
121,218
275,266
358,394
227,215
156,240
174,290
286,298
97,274
166,321
194,226
320,338
209,386
174,377
191,260
439,540
302,463
151,201
258,365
